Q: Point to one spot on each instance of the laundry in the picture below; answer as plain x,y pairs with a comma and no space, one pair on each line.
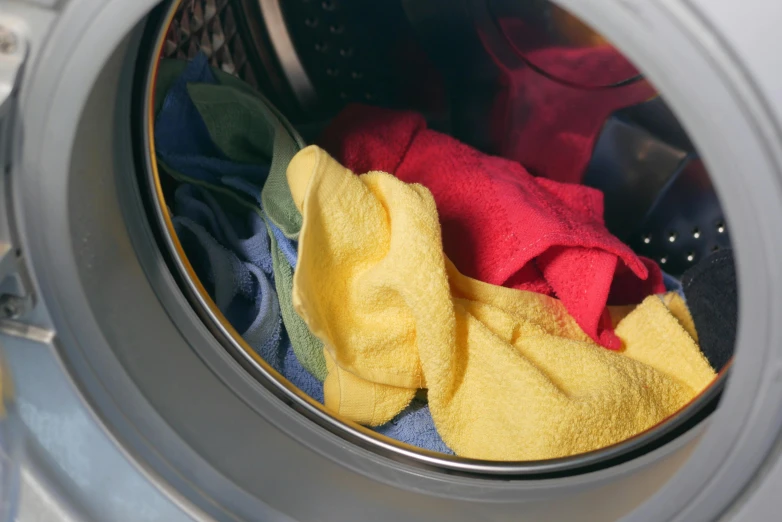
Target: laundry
240,287
204,131
415,426
236,271
712,296
233,254
194,151
509,374
412,426
551,127
209,238
499,224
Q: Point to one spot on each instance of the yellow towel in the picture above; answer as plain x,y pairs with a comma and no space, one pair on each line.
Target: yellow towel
510,376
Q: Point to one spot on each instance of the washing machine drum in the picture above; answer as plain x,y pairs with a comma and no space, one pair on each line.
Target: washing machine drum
118,240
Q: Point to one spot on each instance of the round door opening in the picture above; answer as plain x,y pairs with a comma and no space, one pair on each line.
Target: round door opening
469,236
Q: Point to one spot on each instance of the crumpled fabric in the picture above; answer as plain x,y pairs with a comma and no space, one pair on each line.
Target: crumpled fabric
509,374
222,256
225,135
499,224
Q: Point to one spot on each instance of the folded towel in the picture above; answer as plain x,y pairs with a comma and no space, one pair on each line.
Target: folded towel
510,375
414,425
712,295
204,130
500,224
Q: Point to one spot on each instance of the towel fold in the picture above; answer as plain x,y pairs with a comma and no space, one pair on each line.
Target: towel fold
239,286
501,225
194,151
510,375
415,426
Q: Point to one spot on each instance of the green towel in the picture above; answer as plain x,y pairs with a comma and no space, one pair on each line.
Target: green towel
241,125
248,129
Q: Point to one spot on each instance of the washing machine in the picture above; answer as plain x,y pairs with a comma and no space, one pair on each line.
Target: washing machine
126,393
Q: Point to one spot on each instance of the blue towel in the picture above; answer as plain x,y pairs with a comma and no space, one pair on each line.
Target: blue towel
415,426
230,255
287,246
183,142
291,368
244,233
230,250
233,263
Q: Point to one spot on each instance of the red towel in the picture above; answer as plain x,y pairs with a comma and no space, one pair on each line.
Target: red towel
500,224
551,128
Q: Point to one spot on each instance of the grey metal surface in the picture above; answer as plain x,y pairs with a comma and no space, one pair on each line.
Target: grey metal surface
283,46
658,196
31,22
210,26
72,469
630,166
233,448
686,223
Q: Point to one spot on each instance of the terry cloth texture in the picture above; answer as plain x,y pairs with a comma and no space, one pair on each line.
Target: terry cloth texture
213,130
510,375
499,224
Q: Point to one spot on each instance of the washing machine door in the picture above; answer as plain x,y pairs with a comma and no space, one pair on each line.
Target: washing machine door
141,407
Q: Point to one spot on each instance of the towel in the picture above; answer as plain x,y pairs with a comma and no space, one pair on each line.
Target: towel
415,426
235,269
509,374
550,127
289,367
237,132
220,133
501,225
240,287
194,151
213,246
712,296
256,247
